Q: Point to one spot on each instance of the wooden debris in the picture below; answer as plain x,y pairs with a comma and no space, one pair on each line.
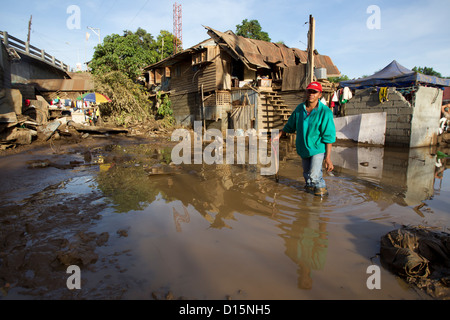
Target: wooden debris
95,129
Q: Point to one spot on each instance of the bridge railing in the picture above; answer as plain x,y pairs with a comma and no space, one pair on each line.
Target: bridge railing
30,50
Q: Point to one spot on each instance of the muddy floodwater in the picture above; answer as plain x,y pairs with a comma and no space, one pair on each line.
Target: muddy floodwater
140,227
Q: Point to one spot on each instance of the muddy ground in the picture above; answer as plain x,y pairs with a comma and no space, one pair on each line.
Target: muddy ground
140,227
44,230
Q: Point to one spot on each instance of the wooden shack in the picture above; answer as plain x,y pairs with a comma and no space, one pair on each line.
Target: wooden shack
231,82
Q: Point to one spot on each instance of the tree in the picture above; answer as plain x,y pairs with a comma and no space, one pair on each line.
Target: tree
338,79
130,52
130,101
427,71
164,45
252,30
116,67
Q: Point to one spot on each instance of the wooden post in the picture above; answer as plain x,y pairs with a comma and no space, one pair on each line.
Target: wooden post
267,114
311,44
5,38
29,30
203,110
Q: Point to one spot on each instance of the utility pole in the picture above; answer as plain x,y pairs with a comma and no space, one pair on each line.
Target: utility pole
311,44
29,29
97,32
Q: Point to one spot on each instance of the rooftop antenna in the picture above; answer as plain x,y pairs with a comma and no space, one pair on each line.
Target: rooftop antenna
177,27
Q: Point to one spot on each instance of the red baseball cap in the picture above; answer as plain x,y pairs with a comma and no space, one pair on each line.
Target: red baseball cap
314,86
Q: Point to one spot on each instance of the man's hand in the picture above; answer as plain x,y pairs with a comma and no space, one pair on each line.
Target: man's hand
277,137
329,165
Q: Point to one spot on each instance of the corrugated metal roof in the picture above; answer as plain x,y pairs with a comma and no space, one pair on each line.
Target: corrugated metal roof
288,55
255,53
177,57
258,53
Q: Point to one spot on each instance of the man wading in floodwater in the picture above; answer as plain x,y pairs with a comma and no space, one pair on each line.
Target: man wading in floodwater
313,122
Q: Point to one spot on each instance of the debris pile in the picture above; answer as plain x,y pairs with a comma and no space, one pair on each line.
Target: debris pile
24,121
420,256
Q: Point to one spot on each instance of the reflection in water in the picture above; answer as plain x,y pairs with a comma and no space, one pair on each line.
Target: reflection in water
408,174
178,218
366,183
306,244
134,177
126,172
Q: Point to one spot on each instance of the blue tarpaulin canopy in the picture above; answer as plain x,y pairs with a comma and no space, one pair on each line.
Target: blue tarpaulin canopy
395,75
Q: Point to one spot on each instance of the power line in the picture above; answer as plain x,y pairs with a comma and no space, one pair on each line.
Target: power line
105,13
142,8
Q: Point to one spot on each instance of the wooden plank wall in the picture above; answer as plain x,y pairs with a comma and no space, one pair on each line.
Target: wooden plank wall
186,88
185,107
223,70
185,82
293,98
207,77
192,77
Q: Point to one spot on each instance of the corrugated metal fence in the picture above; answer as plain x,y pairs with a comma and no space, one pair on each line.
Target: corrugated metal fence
244,115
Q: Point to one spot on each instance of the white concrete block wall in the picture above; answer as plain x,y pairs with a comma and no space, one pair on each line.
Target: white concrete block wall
406,124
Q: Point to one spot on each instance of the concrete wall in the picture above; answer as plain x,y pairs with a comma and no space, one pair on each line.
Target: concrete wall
29,68
5,68
365,128
413,125
425,120
6,102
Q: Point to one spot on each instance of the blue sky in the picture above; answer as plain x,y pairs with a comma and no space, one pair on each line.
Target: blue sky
415,33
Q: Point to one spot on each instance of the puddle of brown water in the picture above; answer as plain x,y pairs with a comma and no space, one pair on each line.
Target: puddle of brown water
224,231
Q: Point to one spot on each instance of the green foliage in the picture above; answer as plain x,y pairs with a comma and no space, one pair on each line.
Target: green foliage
164,45
131,52
338,79
165,111
116,66
164,104
427,71
252,30
130,101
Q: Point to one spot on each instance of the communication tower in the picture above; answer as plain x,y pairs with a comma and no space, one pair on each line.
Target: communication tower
177,27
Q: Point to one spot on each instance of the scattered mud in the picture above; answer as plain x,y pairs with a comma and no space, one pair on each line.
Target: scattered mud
140,227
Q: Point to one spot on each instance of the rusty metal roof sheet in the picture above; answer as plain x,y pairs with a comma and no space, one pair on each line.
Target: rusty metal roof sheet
269,51
240,48
80,85
258,53
254,53
320,61
288,55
